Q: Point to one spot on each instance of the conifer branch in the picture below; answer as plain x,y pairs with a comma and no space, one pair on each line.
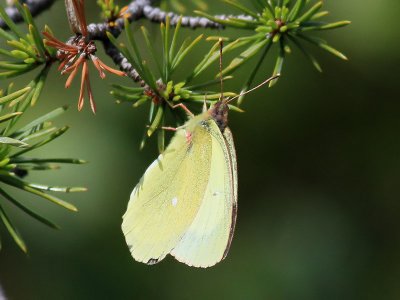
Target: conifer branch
136,10
35,7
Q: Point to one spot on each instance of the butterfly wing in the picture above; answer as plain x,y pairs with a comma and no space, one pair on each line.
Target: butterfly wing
166,201
207,240
234,183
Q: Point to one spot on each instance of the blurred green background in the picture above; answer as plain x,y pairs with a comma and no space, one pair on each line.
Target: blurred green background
319,172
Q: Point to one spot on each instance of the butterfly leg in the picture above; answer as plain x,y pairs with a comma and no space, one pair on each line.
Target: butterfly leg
184,107
170,128
188,134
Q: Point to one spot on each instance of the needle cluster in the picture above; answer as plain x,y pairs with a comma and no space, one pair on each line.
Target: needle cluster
282,24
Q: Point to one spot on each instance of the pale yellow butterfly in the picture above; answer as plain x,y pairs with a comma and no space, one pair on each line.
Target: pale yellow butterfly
186,202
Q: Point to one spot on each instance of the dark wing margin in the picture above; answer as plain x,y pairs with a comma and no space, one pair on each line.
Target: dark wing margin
230,145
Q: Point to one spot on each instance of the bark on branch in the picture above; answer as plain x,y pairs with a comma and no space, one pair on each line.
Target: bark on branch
137,9
35,6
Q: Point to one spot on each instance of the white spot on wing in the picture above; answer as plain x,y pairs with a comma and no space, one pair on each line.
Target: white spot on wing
174,201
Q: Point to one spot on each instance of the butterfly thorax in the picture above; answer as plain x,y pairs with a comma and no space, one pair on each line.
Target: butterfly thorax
220,114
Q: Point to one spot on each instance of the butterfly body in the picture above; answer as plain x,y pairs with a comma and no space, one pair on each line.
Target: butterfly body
186,202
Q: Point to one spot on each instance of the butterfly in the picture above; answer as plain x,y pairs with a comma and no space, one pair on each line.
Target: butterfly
185,204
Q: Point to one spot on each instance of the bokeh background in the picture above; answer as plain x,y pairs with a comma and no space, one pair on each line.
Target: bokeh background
319,182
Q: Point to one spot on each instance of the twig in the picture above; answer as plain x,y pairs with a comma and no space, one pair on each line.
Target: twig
121,61
35,6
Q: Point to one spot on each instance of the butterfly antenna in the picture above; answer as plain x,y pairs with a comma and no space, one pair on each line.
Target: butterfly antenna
254,88
221,46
